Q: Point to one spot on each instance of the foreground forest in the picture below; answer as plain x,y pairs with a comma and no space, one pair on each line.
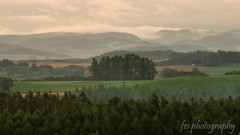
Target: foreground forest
48,114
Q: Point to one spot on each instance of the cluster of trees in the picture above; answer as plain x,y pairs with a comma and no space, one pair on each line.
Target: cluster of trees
127,67
49,114
169,73
6,83
202,57
23,64
6,63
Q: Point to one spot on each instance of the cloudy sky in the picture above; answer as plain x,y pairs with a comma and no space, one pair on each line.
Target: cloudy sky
140,17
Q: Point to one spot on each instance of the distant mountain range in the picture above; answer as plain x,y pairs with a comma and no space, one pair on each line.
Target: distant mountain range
80,45
228,41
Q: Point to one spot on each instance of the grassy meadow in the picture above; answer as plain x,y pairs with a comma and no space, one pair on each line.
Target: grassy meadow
179,83
221,70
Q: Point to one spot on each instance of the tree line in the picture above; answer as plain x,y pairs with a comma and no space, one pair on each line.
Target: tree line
127,67
35,71
48,113
206,58
75,77
180,58
169,73
149,54
233,73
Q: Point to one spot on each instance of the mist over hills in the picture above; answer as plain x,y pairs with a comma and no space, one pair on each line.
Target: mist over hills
170,36
188,39
19,52
85,45
226,41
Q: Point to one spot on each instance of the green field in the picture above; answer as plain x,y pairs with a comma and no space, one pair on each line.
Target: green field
221,70
181,83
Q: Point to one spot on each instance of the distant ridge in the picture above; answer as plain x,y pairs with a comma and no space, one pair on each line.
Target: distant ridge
8,49
159,54
85,45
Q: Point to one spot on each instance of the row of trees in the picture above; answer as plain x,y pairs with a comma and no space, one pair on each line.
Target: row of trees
223,57
169,73
179,58
202,57
44,70
233,73
49,114
127,67
61,78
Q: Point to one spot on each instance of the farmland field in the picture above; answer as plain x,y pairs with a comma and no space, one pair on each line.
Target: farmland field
181,83
159,60
221,70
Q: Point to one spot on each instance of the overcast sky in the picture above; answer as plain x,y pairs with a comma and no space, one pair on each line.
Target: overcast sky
140,17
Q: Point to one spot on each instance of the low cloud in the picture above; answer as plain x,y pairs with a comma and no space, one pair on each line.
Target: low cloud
145,32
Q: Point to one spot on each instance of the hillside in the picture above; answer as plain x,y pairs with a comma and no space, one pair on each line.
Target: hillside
19,52
76,44
173,84
188,48
170,36
85,45
228,41
221,70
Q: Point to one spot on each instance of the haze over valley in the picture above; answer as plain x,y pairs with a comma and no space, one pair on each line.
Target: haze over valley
85,45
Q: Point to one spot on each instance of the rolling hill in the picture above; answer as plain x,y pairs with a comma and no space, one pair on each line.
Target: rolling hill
228,41
187,48
85,45
173,84
221,70
20,52
77,44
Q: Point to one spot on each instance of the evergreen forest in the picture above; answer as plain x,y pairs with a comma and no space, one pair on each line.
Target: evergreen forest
127,67
98,111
